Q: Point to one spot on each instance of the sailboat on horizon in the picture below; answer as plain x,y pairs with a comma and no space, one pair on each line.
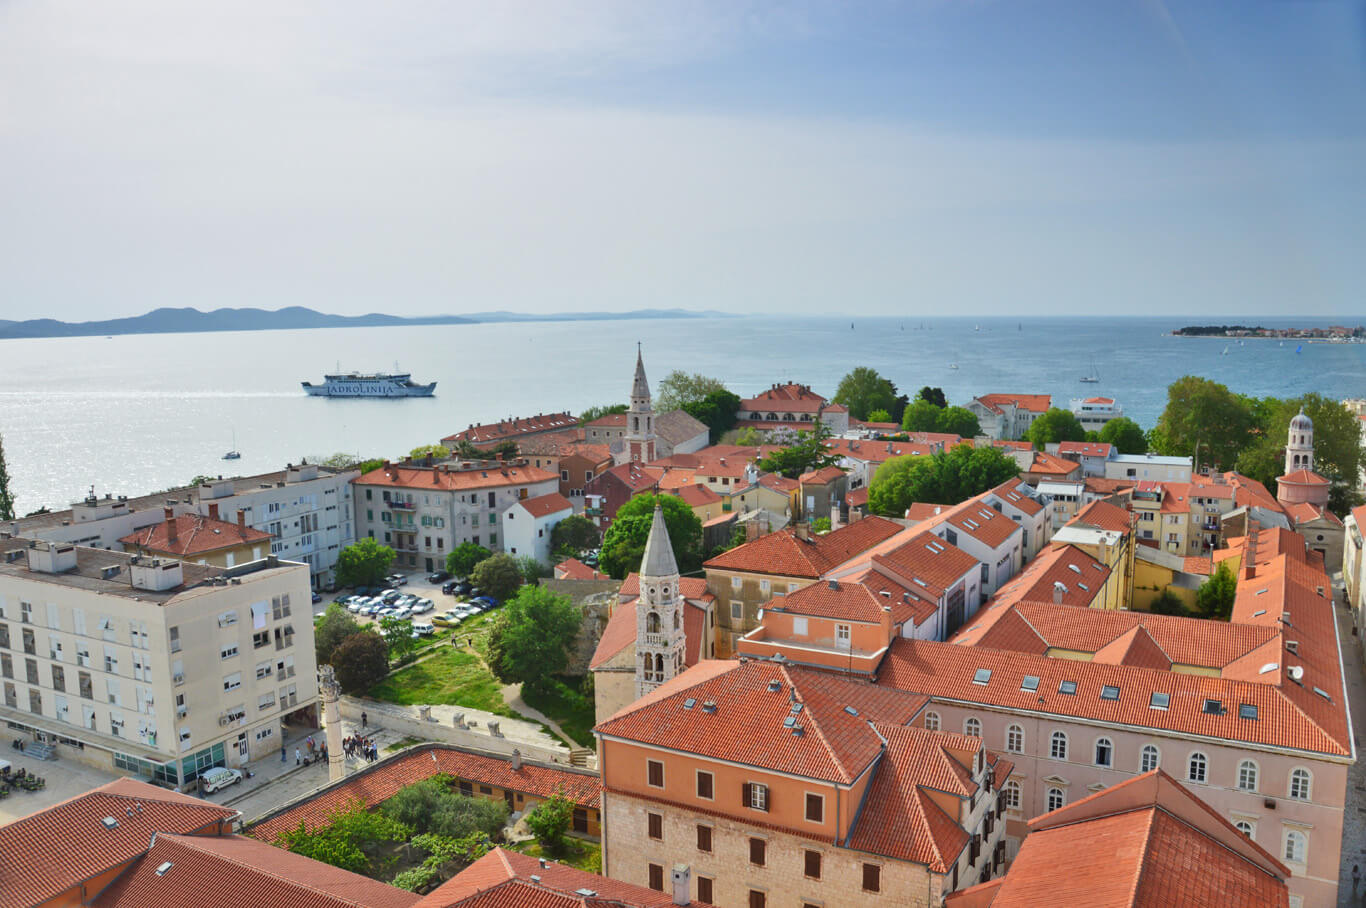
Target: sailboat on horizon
1094,377
234,454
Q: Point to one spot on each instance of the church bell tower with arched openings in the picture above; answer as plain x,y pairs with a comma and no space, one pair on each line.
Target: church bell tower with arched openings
640,418
660,639
1299,447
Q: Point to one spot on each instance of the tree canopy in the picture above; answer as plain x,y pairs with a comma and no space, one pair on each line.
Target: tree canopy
679,388
530,637
1338,456
549,822
438,452
6,496
463,558
335,625
863,390
923,415
716,411
363,563
599,412
573,536
623,546
934,396
361,661
1214,598
398,636
880,416
940,478
959,421
498,575
1206,414
1125,435
1053,426
808,452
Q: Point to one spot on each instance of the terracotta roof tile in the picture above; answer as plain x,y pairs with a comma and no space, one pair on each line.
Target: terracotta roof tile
1012,444
574,569
1102,515
495,432
545,505
789,398
1017,494
697,495
1303,477
1048,464
411,477
782,553
823,476
1035,403
195,535
1085,448
927,562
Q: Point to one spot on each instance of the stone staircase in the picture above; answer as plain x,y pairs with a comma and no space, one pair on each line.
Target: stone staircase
36,751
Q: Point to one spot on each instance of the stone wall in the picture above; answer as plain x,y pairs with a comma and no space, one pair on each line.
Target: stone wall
596,598
408,721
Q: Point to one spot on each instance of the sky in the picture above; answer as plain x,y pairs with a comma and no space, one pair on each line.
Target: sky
918,157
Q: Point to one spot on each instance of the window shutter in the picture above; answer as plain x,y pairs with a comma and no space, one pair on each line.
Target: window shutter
768,798
745,795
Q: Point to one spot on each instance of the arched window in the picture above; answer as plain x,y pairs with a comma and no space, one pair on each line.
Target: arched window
659,664
932,721
972,726
1196,767
1056,798
675,620
1015,739
652,623
1105,752
1012,791
1149,758
1299,784
666,592
1247,775
1245,828
1296,844
1058,746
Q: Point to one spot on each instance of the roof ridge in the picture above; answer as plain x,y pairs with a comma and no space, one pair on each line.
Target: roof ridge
1166,655
816,726
1143,853
183,841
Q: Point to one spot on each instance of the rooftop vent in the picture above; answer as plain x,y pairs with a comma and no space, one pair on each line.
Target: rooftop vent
775,685
1074,568
885,594
1293,646
834,584
851,711
709,706
1324,694
109,822
110,572
1296,672
586,892
1269,667
798,731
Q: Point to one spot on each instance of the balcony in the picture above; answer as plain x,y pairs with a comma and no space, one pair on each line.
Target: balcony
402,506
656,640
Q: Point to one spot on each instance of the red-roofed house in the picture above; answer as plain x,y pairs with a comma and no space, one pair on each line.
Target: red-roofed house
1092,455
574,569
1042,467
202,540
515,429
1008,416
791,406
527,525
821,491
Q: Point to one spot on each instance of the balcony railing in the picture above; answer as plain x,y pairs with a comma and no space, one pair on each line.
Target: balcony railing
656,640
402,506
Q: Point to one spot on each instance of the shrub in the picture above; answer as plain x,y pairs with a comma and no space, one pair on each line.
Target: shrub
550,821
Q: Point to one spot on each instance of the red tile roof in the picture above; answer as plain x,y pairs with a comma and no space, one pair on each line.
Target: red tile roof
1085,448
621,629
1047,464
29,874
879,451
823,476
553,442
504,879
195,535
779,483
411,477
1103,486
1035,403
857,498
495,432
1303,477
545,505
782,553
926,562
574,569
249,872
1304,512
846,601
380,781
979,520
1082,576
697,495
1103,516
1012,444
611,420
1017,494
789,398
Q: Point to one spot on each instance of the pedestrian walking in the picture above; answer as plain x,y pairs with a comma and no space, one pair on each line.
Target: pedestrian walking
282,753
298,757
364,719
1356,877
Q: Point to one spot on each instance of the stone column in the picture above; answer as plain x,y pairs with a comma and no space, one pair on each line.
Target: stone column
331,692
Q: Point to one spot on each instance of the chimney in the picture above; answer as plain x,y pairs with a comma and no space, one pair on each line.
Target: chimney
1250,551
213,510
170,527
241,518
682,880
516,758
170,514
1059,590
802,529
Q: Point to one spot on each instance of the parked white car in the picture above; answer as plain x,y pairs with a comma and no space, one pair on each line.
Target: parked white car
219,777
422,606
423,628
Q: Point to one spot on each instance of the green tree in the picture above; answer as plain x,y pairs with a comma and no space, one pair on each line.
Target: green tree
335,625
1053,426
749,437
1125,435
624,544
202,479
864,390
879,416
498,576
679,388
361,660
820,525
363,563
921,416
6,495
532,570
438,452
1337,445
529,640
940,478
466,449
599,412
959,421
433,809
1214,598
365,466
934,396
463,558
1169,604
716,411
352,838
1204,414
808,452
398,637
573,536
549,822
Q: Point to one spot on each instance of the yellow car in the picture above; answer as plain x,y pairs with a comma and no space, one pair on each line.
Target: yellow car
449,619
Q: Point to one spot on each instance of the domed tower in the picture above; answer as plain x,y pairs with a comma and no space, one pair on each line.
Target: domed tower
640,418
1299,447
660,638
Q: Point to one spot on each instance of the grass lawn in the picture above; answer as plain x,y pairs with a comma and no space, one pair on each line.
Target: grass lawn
580,853
573,712
451,677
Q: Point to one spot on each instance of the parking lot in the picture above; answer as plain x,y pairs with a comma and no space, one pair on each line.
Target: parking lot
419,602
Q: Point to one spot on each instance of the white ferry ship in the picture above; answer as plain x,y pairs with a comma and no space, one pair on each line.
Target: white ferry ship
354,384
1095,412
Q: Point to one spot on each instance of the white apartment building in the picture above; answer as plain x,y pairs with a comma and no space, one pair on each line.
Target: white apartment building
158,668
423,511
529,524
1153,467
307,509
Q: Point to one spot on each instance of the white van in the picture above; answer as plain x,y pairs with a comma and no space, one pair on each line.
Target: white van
424,628
219,777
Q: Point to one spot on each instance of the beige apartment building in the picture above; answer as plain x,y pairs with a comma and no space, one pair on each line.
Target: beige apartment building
156,667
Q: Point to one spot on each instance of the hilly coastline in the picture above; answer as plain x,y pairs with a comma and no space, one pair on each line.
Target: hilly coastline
187,320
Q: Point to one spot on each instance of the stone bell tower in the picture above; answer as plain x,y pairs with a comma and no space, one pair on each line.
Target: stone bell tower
1299,446
660,639
640,418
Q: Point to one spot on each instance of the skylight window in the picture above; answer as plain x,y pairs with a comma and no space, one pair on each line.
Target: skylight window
1083,586
1068,687
1261,591
1074,568
789,721
690,703
1109,692
920,582
1213,707
1324,694
1030,682
1259,613
981,676
161,871
851,711
1247,711
1269,667
1160,700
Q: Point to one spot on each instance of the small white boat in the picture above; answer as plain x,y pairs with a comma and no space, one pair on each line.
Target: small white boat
234,454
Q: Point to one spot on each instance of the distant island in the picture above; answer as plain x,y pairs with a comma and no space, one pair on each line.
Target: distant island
1335,331
186,321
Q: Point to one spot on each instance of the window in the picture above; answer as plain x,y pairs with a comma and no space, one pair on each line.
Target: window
1012,791
654,773
815,807
811,865
1299,784
1105,752
1068,687
1030,683
1058,746
981,676
655,826
1196,767
932,721
227,651
1296,844
1109,692
704,785
233,681
872,878
1056,798
764,587
758,850
842,636
755,796
704,890
737,583
1246,829
799,626
737,610
1015,739
1148,758
972,726
657,877
1247,775
757,899
1159,700
704,838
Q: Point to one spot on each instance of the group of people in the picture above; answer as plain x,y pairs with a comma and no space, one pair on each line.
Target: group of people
364,747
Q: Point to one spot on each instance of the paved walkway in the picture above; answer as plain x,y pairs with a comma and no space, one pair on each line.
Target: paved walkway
512,696
1354,819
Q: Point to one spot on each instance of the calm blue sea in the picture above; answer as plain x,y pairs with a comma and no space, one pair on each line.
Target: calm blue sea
134,414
